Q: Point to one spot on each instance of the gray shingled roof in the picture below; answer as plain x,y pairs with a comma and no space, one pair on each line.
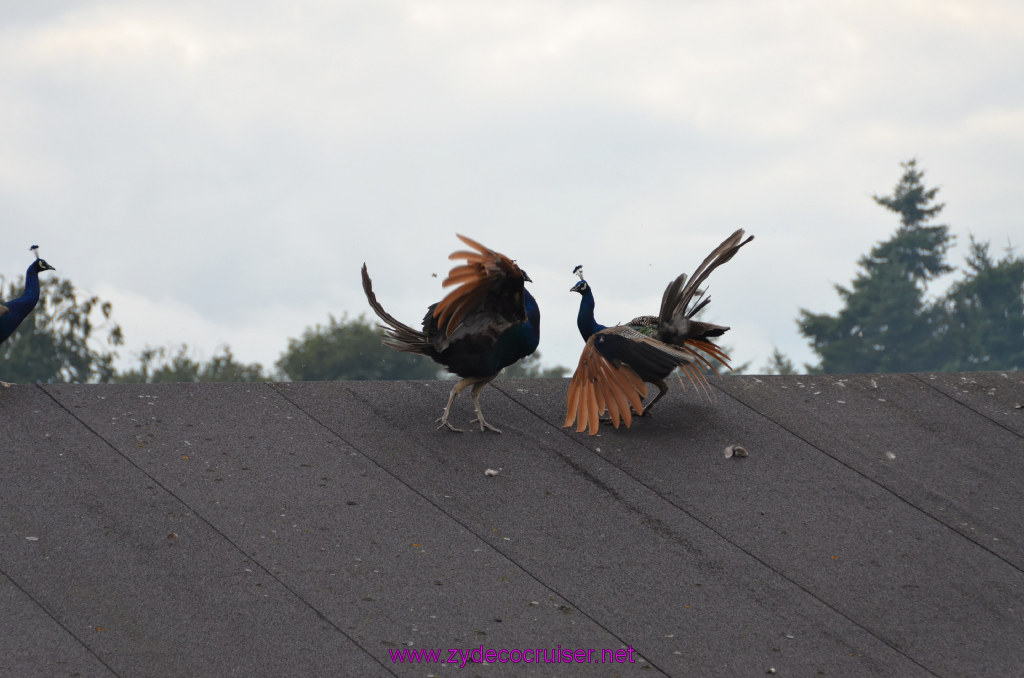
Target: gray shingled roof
310,529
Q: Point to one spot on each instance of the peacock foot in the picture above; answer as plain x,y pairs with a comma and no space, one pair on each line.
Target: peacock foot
484,425
443,421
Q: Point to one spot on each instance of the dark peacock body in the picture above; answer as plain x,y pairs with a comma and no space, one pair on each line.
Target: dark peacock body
487,323
616,361
13,312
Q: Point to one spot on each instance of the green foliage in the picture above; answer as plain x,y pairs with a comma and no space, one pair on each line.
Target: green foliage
979,324
880,328
162,365
918,249
886,325
58,341
530,368
778,363
350,350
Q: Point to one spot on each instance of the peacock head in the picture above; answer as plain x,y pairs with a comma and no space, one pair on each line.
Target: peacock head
39,264
580,287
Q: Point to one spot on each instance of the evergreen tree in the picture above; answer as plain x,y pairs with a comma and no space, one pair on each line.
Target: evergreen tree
979,324
918,249
778,363
884,323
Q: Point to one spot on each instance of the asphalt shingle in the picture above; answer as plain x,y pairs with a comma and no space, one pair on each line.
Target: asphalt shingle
317,528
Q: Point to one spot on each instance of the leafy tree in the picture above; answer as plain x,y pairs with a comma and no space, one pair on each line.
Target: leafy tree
160,365
58,341
980,321
884,324
530,368
350,350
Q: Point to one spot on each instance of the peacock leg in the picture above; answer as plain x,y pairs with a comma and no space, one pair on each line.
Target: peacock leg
456,390
477,387
662,390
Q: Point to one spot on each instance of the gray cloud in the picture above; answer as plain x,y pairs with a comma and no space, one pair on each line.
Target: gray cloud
224,168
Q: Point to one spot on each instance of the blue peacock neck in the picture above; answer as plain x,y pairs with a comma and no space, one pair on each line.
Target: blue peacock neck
32,284
24,304
18,309
585,318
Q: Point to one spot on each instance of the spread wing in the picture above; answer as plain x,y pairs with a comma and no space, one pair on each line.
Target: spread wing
3,310
487,278
645,354
609,375
598,385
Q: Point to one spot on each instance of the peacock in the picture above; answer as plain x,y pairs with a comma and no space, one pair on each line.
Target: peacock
488,322
16,310
616,361
13,312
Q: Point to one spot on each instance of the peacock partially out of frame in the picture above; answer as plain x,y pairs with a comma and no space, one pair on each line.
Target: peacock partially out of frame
13,312
616,361
488,322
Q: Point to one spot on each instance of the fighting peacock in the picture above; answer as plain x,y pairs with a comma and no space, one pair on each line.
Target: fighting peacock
616,361
13,312
488,322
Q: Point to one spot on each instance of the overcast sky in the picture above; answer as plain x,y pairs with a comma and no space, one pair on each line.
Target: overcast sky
220,170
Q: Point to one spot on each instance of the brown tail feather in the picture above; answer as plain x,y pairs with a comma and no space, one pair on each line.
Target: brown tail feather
681,291
400,336
696,347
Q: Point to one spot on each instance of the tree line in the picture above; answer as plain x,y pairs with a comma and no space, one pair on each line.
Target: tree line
58,343
887,322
